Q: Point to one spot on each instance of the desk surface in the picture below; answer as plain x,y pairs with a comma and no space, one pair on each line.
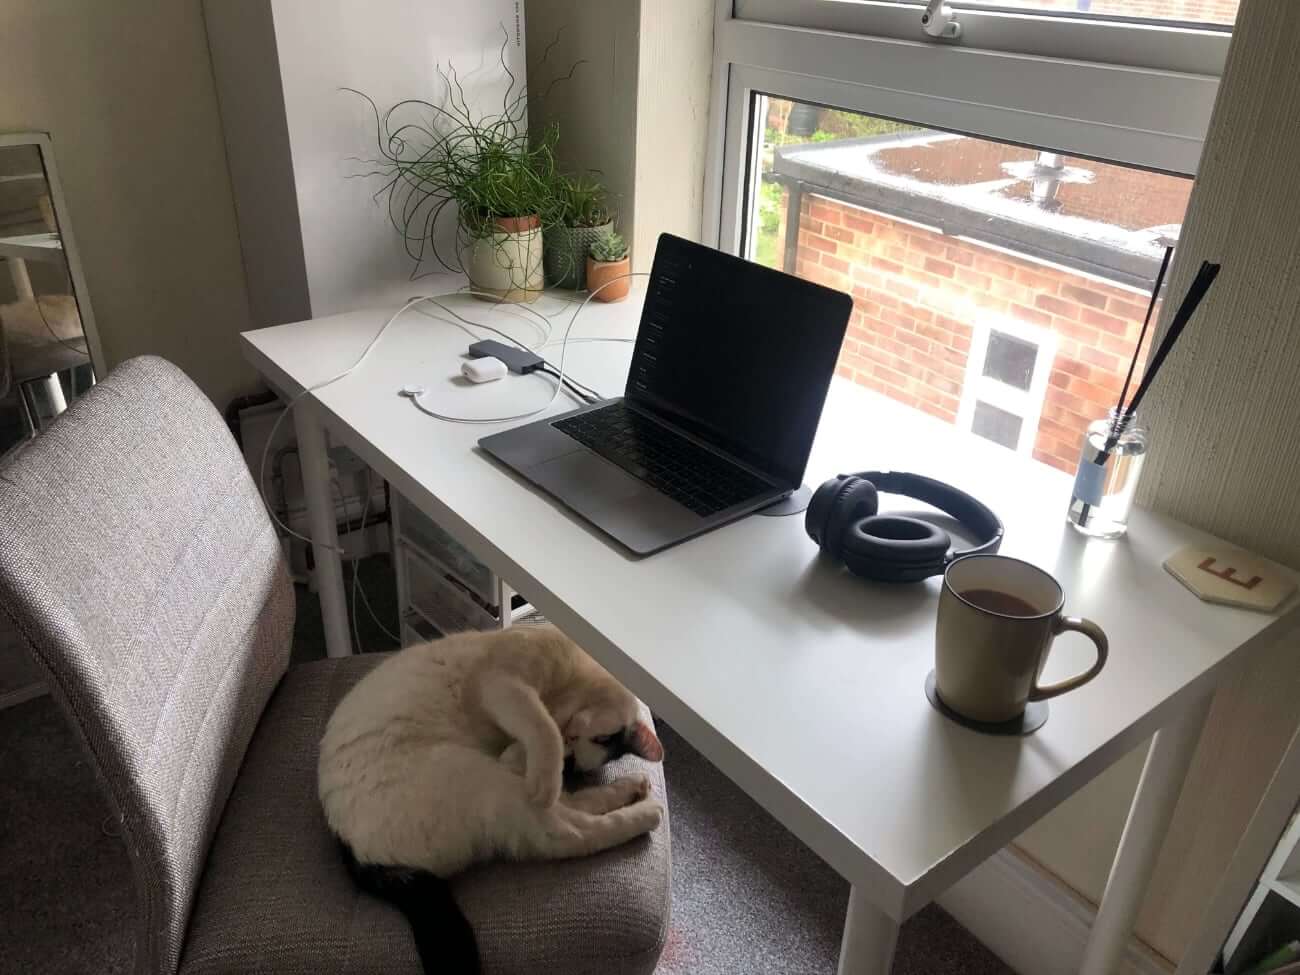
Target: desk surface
33,247
802,684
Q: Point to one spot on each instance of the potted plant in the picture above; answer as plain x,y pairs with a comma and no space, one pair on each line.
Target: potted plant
442,162
608,267
584,217
505,197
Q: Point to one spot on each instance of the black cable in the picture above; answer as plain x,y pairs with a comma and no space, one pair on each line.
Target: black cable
577,393
547,366
572,388
571,381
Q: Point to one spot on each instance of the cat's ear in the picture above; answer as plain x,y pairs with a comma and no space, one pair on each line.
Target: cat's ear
644,743
579,725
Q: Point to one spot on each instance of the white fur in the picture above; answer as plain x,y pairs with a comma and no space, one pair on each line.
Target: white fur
452,752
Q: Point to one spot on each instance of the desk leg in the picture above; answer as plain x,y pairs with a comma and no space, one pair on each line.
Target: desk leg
22,280
870,936
1148,819
314,459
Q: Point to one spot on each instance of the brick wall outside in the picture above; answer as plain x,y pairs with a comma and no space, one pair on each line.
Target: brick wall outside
916,292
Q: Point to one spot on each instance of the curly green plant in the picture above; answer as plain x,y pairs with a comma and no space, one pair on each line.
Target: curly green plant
443,161
608,247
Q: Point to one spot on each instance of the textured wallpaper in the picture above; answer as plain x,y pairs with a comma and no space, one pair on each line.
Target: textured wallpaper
1225,417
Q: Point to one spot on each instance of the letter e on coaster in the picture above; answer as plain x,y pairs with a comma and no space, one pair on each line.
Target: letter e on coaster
1228,575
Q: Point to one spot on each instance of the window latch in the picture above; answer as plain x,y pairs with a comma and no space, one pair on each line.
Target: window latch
938,20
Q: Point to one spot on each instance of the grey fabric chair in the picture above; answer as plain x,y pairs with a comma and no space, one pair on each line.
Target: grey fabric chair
140,567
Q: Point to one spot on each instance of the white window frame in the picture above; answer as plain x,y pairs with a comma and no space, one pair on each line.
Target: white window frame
1148,116
1026,404
1150,43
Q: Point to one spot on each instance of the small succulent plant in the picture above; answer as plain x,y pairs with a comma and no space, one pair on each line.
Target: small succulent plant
608,247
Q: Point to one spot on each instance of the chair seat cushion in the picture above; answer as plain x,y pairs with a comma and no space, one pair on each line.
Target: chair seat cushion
275,896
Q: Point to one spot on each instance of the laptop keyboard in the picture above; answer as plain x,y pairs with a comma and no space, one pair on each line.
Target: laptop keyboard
673,465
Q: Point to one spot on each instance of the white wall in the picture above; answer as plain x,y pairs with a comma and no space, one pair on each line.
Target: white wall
303,152
125,90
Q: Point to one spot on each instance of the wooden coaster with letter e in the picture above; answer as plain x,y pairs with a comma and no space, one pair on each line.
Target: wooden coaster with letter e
1227,575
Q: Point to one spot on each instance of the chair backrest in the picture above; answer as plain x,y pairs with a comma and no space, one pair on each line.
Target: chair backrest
138,563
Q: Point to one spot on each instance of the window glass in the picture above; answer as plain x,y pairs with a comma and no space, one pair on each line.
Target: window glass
1010,360
1183,11
934,233
996,424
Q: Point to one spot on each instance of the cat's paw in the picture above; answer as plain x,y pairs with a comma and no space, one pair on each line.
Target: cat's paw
543,781
635,788
648,814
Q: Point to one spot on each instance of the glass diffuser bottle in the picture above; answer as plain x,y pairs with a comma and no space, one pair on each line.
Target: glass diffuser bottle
1106,482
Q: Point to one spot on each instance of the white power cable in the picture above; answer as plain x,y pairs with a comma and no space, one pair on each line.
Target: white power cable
293,401
461,323
415,397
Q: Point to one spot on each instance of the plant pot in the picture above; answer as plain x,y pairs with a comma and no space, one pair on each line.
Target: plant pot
565,254
506,265
600,273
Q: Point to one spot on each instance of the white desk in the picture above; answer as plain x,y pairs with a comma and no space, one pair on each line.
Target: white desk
800,683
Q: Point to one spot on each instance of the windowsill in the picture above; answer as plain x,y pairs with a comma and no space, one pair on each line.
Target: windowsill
896,437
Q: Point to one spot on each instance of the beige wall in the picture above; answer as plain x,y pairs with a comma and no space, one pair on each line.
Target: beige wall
676,62
596,109
636,110
125,90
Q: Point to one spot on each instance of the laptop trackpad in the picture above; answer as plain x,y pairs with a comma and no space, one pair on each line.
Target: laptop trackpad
583,475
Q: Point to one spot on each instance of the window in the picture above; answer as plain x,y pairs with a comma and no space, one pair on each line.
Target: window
998,219
997,287
1006,385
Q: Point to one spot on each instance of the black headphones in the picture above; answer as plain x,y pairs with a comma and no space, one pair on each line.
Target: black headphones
842,519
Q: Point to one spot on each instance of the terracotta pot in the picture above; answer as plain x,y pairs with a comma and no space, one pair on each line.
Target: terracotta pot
600,273
506,265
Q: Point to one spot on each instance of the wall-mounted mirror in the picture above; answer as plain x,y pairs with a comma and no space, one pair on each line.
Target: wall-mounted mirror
48,346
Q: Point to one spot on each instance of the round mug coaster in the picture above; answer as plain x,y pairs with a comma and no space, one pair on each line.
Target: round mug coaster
1034,717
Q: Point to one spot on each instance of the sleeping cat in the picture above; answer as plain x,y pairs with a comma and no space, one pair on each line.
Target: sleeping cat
453,752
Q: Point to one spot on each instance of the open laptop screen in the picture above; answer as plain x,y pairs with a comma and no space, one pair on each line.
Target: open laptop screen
737,354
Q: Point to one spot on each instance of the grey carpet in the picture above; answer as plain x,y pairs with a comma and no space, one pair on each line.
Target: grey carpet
747,896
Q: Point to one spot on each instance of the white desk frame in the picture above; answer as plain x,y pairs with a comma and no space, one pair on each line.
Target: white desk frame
918,802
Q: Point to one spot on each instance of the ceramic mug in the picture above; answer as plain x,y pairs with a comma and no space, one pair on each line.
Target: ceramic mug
997,619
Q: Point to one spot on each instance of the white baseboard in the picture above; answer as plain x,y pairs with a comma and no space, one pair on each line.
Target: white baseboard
10,699
1032,921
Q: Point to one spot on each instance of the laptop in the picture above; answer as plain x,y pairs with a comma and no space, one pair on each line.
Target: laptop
729,374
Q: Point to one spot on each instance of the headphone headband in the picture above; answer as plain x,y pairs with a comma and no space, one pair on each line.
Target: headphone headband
843,519
968,510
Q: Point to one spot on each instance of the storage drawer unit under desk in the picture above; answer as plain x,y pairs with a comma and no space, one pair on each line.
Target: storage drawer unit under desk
438,599
428,538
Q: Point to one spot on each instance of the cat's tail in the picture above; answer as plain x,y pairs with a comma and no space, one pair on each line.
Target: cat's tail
443,936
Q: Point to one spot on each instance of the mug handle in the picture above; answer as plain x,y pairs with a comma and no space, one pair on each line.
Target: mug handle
1094,633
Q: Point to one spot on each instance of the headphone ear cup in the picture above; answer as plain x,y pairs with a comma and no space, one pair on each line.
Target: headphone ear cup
857,500
892,548
819,506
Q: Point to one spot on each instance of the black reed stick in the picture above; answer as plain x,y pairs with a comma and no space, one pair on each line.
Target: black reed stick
1195,295
1142,336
